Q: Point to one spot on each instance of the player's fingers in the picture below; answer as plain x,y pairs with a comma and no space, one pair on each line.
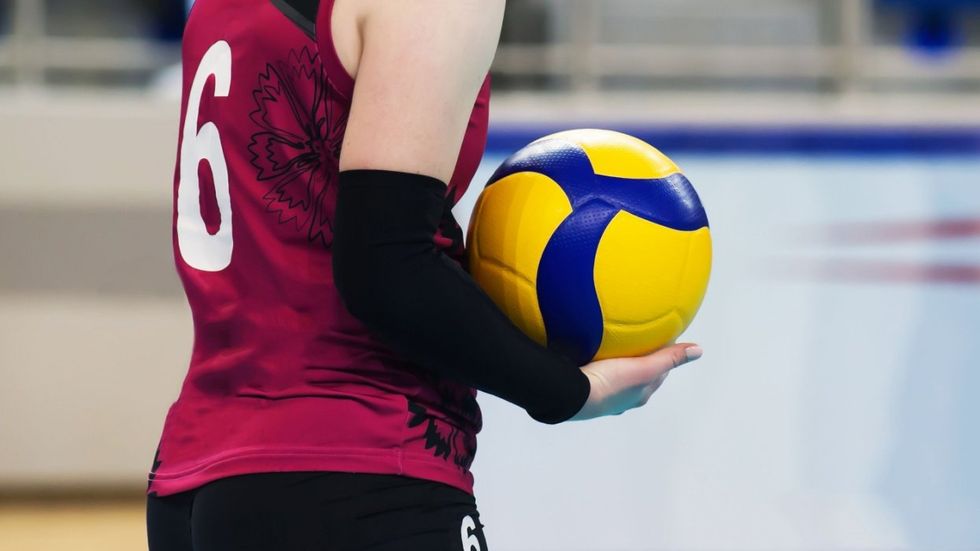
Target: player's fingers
689,353
643,370
674,356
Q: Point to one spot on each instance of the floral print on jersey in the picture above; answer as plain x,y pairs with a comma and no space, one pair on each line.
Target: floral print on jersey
301,121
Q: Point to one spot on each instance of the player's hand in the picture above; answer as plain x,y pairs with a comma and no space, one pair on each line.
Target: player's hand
621,384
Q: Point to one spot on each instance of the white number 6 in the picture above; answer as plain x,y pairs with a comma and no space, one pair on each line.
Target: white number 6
466,533
200,249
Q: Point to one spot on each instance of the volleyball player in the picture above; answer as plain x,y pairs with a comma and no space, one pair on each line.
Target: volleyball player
330,400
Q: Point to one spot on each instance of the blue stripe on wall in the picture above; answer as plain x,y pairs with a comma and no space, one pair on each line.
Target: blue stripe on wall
812,139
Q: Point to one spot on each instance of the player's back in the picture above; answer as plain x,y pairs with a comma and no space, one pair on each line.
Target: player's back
282,377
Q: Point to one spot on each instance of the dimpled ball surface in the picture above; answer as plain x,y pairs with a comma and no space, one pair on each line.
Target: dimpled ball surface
593,243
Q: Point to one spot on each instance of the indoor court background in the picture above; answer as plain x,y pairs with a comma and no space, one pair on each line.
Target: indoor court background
835,145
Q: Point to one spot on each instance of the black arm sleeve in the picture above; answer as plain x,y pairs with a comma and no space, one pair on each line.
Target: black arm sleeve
425,306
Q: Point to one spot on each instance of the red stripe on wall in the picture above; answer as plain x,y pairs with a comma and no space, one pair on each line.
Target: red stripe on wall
893,232
860,271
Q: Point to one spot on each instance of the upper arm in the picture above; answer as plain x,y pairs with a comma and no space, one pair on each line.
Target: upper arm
421,67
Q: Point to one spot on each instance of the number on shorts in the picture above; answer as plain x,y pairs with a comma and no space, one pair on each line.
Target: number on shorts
198,248
468,533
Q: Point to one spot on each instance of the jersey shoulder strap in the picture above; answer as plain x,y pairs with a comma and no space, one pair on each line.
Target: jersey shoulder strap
301,12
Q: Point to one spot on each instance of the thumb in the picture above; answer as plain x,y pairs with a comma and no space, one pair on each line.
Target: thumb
645,369
681,354
672,356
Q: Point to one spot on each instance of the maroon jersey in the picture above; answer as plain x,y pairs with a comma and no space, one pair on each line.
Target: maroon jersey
282,377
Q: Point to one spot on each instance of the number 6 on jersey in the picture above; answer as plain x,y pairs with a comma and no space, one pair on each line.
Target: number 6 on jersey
199,248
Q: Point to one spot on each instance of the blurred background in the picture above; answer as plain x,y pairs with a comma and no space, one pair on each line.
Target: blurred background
835,145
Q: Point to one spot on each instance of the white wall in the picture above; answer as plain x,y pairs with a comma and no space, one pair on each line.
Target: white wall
94,334
826,414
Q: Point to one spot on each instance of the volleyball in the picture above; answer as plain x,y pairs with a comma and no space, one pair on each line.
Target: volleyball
593,243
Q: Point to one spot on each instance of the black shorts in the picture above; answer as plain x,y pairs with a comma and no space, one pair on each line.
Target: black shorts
316,511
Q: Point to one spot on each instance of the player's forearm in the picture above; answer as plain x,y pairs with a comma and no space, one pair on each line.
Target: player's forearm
420,302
